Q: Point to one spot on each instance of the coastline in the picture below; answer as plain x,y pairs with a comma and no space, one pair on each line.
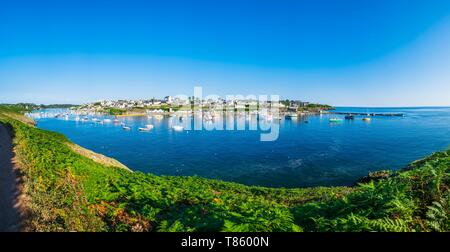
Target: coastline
114,199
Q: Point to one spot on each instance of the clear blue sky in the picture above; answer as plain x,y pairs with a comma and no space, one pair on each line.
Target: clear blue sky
347,52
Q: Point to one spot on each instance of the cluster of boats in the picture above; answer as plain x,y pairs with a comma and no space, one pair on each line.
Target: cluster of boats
149,127
83,117
348,117
207,116
94,119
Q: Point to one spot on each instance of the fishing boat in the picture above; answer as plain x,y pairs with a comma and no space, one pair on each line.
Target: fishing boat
336,120
177,128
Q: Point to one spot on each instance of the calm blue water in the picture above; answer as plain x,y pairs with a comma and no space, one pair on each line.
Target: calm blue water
305,154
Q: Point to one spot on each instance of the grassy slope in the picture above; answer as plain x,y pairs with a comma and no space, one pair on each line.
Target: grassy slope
67,191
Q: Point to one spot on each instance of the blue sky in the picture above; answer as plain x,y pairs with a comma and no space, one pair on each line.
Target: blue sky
347,52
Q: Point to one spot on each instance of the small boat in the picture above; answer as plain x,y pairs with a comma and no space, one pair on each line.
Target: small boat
177,128
349,117
336,120
107,120
116,121
208,117
144,129
291,116
149,126
367,119
158,117
126,128
77,118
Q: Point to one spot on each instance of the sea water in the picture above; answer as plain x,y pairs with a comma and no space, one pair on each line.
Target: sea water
309,151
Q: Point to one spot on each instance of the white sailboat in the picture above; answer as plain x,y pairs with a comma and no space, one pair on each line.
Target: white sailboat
177,128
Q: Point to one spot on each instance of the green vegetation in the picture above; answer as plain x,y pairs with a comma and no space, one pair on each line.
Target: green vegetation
413,200
306,107
115,111
317,107
67,191
18,108
28,107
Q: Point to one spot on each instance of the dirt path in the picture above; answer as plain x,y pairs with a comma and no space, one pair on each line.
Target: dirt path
9,212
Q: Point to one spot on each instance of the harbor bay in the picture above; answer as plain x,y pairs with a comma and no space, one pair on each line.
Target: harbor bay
311,150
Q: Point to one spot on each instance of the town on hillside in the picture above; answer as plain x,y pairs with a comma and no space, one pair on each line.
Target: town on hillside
173,104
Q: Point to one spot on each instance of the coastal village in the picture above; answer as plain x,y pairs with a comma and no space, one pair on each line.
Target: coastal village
210,110
170,104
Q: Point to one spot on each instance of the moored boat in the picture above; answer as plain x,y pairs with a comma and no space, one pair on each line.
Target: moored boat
177,128
291,116
336,120
349,117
